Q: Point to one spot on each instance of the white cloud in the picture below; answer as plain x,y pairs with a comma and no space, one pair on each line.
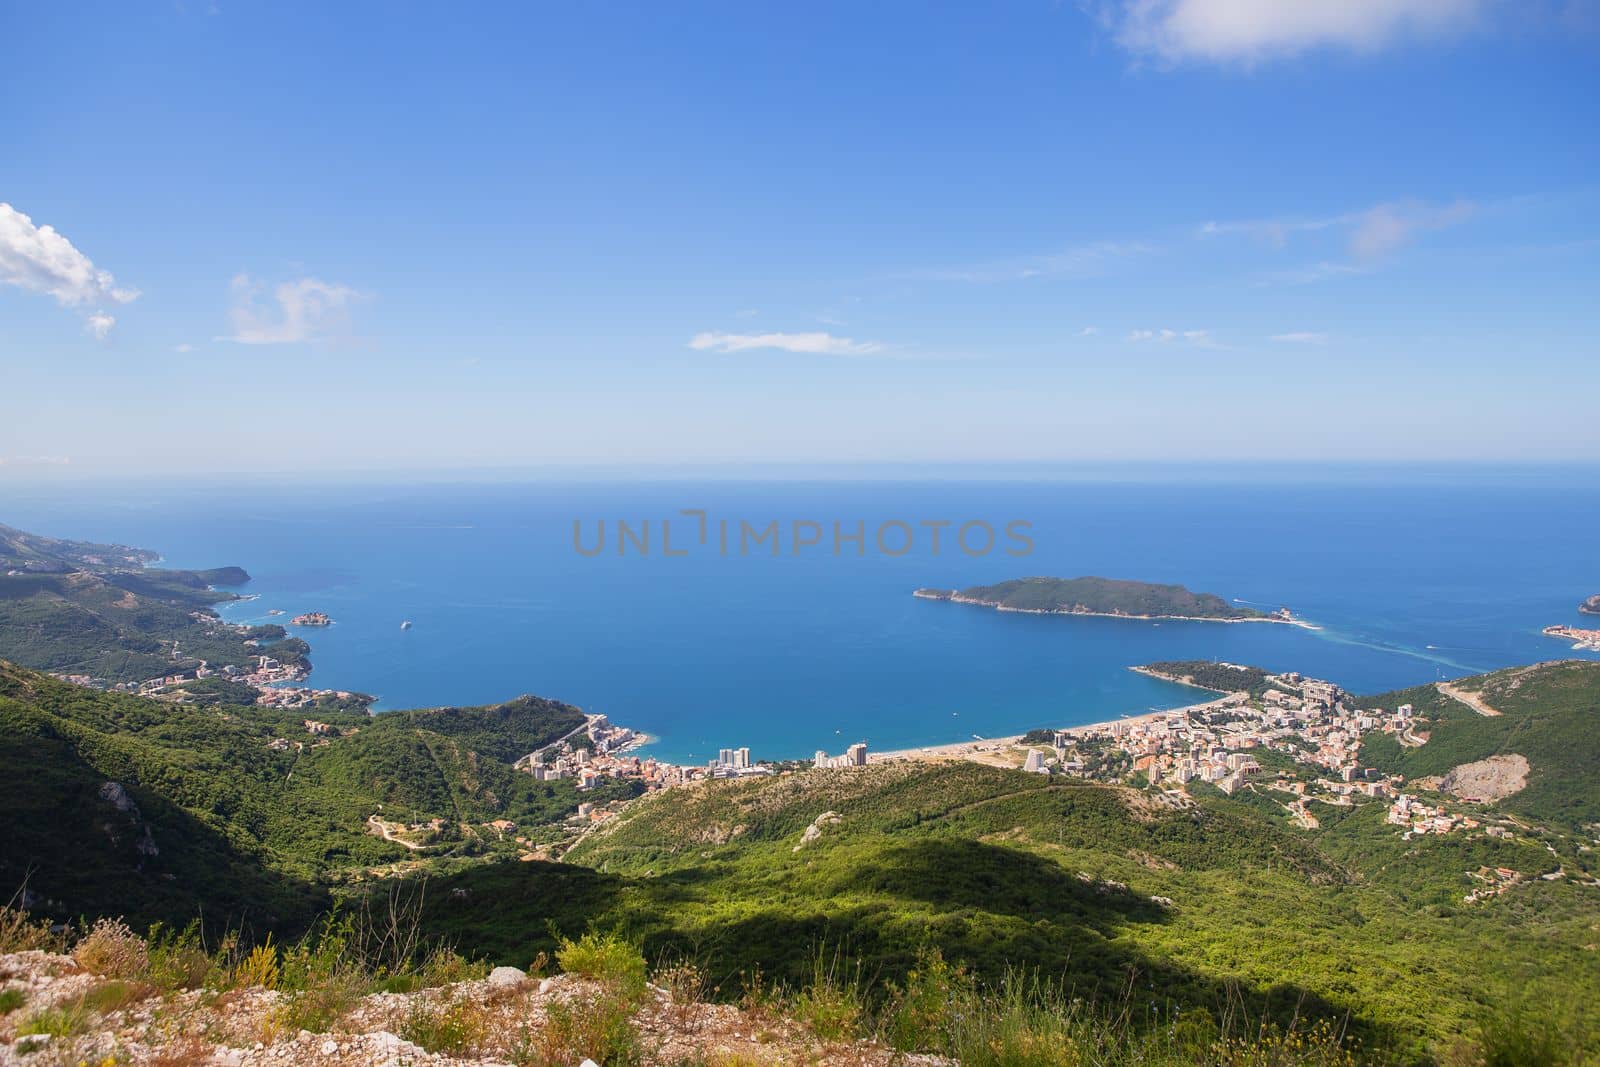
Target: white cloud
185,347
1300,337
306,309
817,343
1089,331
1247,31
99,324
40,260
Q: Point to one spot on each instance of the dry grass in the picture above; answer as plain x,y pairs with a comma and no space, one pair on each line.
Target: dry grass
112,950
19,932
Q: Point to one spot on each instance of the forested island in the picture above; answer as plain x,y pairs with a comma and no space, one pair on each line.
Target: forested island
1103,596
1591,606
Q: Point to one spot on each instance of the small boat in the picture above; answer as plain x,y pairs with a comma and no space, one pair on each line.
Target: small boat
406,625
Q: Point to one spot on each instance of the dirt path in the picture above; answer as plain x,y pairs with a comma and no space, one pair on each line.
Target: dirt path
375,823
1471,700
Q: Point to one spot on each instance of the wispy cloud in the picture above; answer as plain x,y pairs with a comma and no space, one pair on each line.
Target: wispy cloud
305,309
183,348
1368,234
40,260
1253,31
1300,337
1387,227
815,343
1275,232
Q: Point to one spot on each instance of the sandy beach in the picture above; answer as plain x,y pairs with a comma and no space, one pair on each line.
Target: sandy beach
995,750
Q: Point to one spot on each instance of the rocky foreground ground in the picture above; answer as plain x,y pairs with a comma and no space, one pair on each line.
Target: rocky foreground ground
78,1017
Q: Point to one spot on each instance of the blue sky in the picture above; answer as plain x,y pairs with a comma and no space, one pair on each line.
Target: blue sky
362,236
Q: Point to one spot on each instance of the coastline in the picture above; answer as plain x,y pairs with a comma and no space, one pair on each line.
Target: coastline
993,747
989,750
1159,676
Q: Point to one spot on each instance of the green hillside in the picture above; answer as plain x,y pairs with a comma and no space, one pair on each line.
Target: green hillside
229,824
76,607
1102,888
1549,714
27,551
1138,901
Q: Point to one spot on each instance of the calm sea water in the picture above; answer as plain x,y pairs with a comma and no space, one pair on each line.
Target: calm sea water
1411,582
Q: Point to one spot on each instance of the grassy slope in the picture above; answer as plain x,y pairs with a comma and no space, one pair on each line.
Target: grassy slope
240,828
1001,869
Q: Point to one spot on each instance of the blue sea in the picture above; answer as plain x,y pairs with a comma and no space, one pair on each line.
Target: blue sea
1412,577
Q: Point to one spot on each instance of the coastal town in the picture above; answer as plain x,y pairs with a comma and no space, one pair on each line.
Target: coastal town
1286,737
1289,738
1583,640
275,681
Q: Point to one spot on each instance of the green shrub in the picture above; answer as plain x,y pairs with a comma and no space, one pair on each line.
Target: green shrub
177,960
1511,1039
600,1029
111,996
609,959
922,1015
63,1020
11,1000
833,1005
453,1026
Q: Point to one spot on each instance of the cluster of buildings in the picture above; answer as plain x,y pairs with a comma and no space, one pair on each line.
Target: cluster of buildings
599,752
854,756
1583,640
1312,722
1420,818
735,763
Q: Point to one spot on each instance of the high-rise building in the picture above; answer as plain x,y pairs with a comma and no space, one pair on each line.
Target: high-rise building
741,757
856,754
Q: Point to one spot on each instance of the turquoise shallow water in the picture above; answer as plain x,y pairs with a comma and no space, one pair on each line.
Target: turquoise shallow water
790,654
